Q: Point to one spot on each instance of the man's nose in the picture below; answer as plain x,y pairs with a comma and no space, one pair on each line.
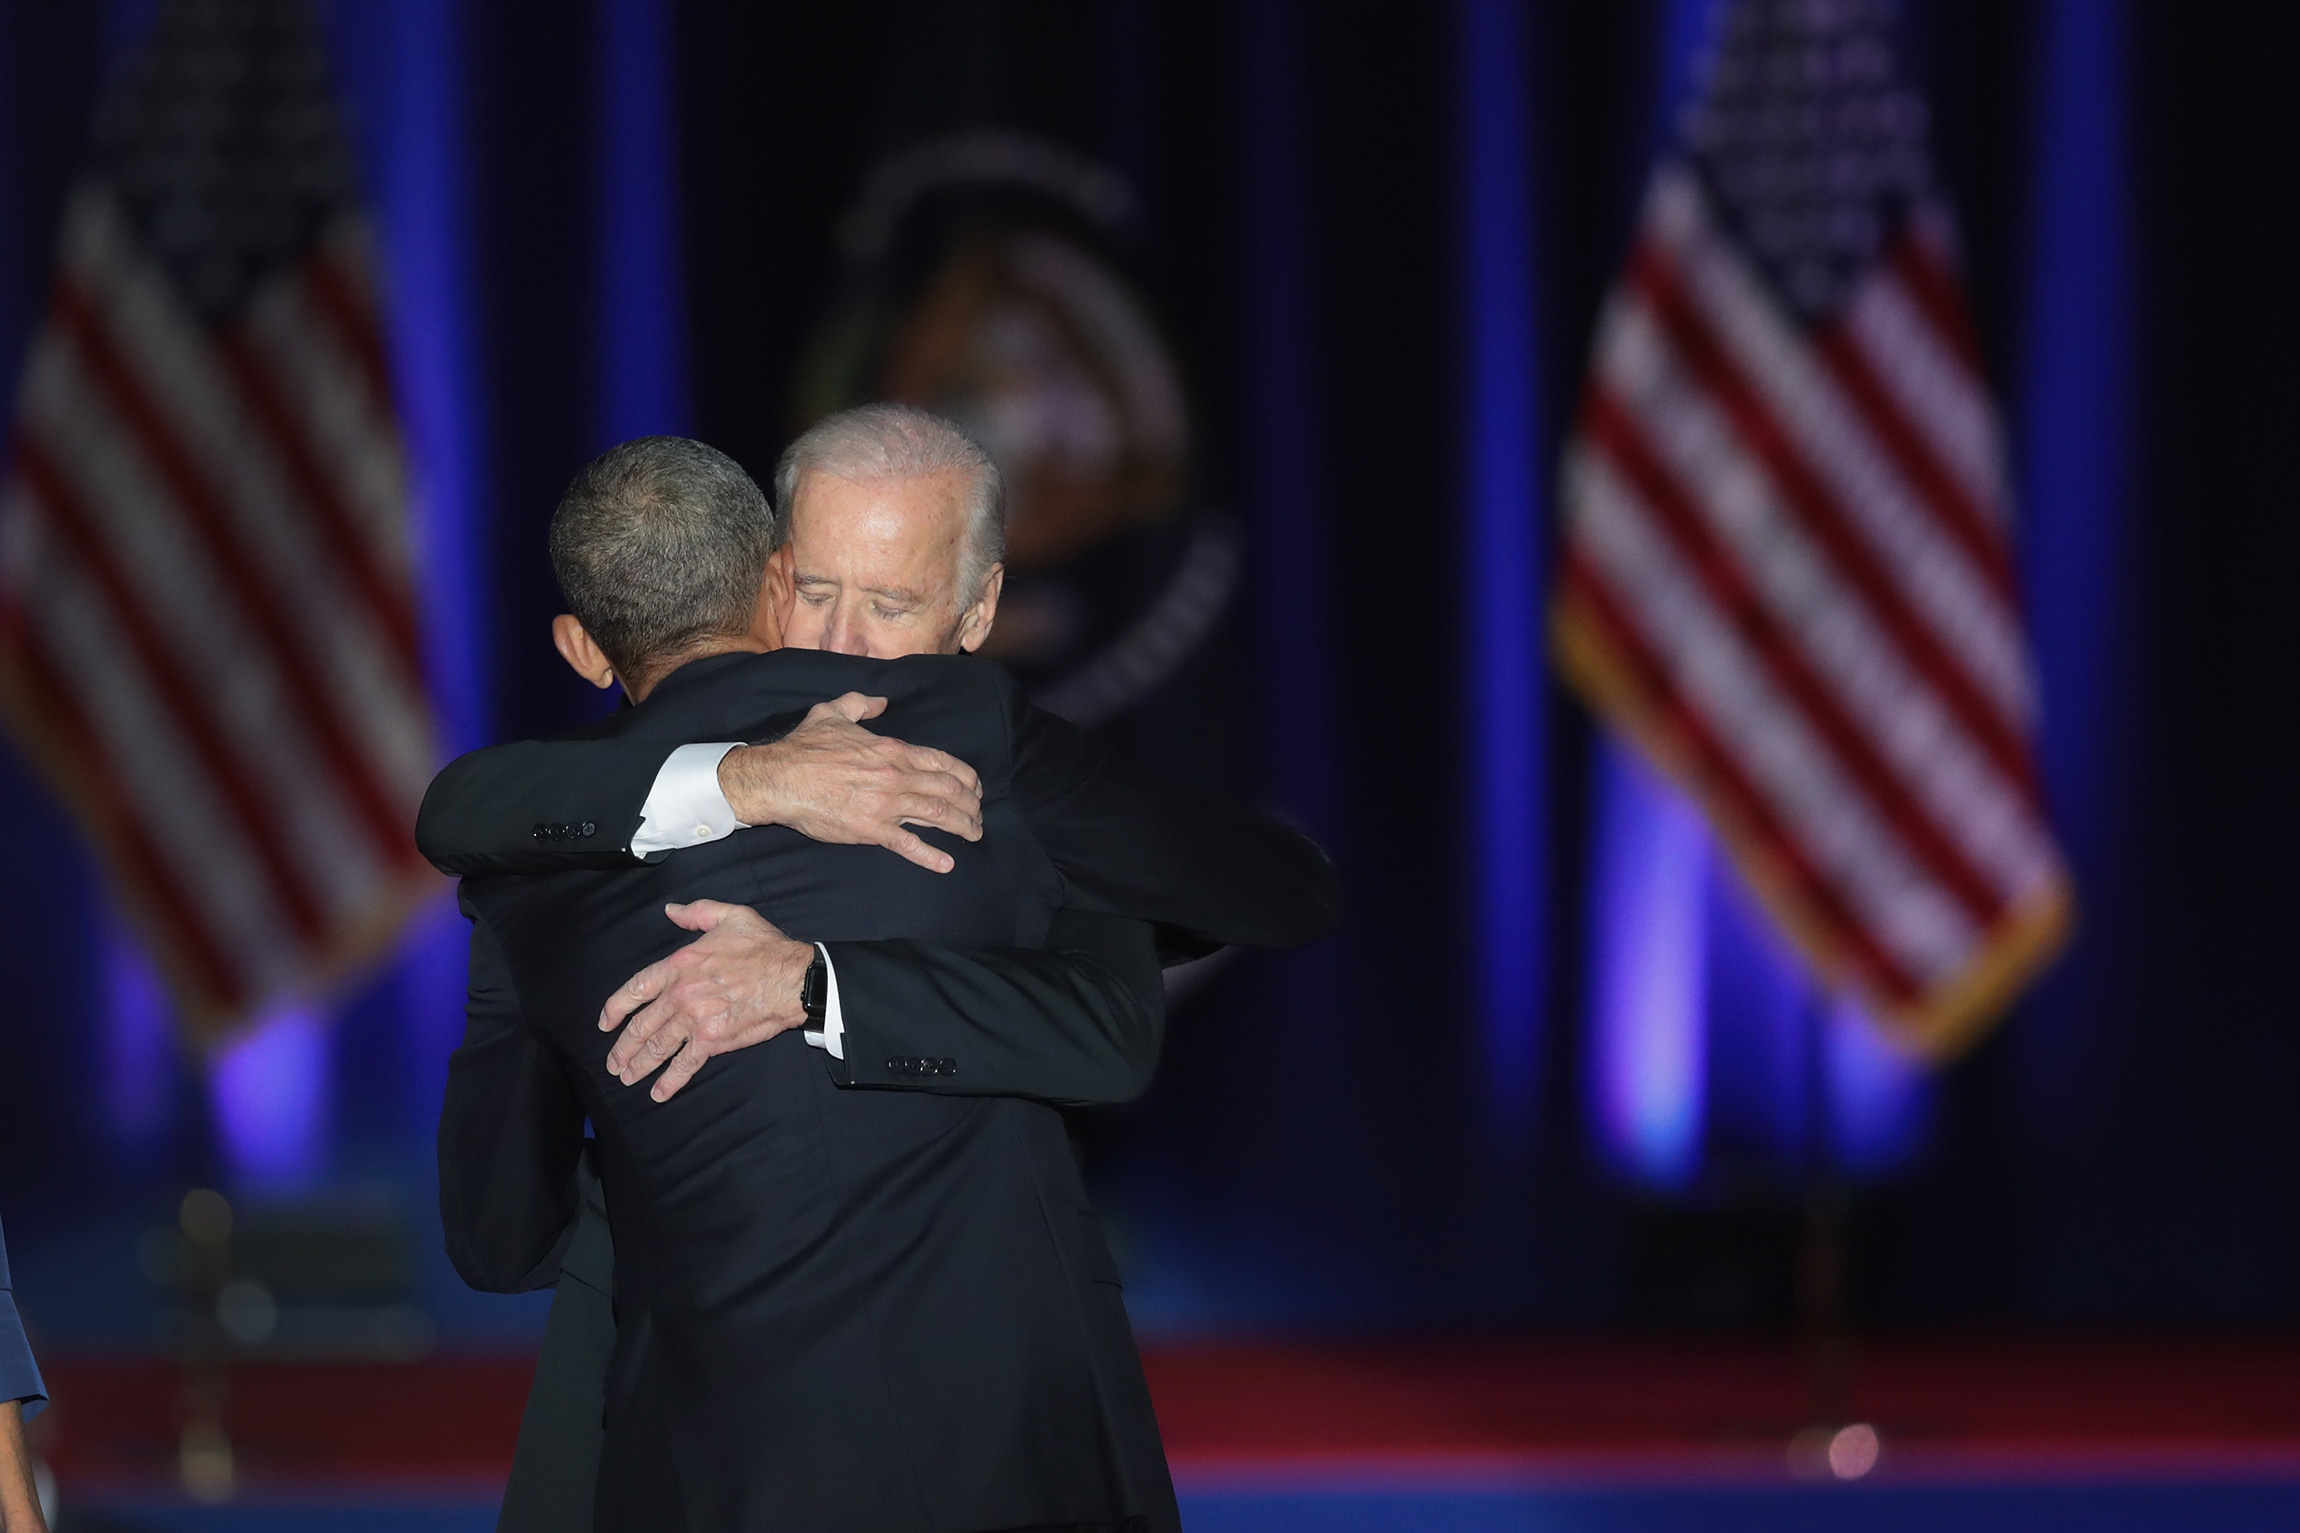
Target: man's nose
846,636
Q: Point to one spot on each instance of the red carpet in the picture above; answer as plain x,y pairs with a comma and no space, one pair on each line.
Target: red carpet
1551,1399
1243,1408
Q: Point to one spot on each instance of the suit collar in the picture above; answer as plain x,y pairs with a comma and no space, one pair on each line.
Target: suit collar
694,672
740,688
805,668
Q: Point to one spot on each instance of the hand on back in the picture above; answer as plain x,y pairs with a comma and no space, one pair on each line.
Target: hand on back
736,985
832,780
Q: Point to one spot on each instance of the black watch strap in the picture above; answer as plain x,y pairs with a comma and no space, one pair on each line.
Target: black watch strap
815,990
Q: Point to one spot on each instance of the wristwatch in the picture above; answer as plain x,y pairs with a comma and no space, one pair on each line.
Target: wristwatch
815,990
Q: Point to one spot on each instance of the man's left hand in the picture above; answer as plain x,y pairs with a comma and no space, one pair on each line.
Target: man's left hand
832,780
734,986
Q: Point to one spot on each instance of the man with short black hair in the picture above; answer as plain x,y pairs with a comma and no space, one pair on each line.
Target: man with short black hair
635,512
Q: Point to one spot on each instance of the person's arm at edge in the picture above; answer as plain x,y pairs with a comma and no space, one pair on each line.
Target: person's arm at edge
19,1492
22,1395
510,1132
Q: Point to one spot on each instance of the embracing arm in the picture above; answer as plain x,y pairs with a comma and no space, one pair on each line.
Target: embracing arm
1077,1022
539,806
1210,873
1086,1017
510,1133
536,806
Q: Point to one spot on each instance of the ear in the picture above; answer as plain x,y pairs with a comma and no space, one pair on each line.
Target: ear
584,657
975,626
776,589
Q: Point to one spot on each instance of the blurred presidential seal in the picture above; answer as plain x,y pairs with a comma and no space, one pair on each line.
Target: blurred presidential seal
987,282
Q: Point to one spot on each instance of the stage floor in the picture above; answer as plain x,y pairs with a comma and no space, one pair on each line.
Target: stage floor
1881,1506
1469,1435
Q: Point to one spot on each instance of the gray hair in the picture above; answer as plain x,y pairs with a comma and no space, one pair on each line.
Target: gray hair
660,544
890,441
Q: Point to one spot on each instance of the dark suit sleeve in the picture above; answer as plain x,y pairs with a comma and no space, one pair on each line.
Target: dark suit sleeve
1078,1023
539,806
1208,872
510,1135
19,1375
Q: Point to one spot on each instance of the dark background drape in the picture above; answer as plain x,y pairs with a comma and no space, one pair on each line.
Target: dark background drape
2123,1150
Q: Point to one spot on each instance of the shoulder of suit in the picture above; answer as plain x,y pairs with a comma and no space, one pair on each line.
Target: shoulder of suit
797,677
607,726
990,686
961,671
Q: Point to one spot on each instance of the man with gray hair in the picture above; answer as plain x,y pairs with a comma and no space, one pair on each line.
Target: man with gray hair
896,521
1025,1398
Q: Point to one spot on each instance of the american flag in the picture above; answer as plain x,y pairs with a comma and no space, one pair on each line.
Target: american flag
207,633
1786,571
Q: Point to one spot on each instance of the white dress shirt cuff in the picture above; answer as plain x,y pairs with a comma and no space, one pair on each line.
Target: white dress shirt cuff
686,807
831,1036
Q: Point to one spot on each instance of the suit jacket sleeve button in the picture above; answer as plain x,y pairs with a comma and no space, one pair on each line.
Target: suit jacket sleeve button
590,829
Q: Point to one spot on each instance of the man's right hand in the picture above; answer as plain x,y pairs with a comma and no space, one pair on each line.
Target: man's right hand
832,780
734,986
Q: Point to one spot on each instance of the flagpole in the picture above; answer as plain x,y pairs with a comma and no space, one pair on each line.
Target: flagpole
1824,1334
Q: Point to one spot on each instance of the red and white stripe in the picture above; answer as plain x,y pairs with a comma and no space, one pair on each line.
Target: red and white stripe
206,618
1787,567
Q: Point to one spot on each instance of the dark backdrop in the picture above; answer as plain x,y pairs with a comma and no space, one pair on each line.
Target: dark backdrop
2123,1150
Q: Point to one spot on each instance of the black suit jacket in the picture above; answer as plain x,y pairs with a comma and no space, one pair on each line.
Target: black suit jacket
1208,872
839,1308
1078,1022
